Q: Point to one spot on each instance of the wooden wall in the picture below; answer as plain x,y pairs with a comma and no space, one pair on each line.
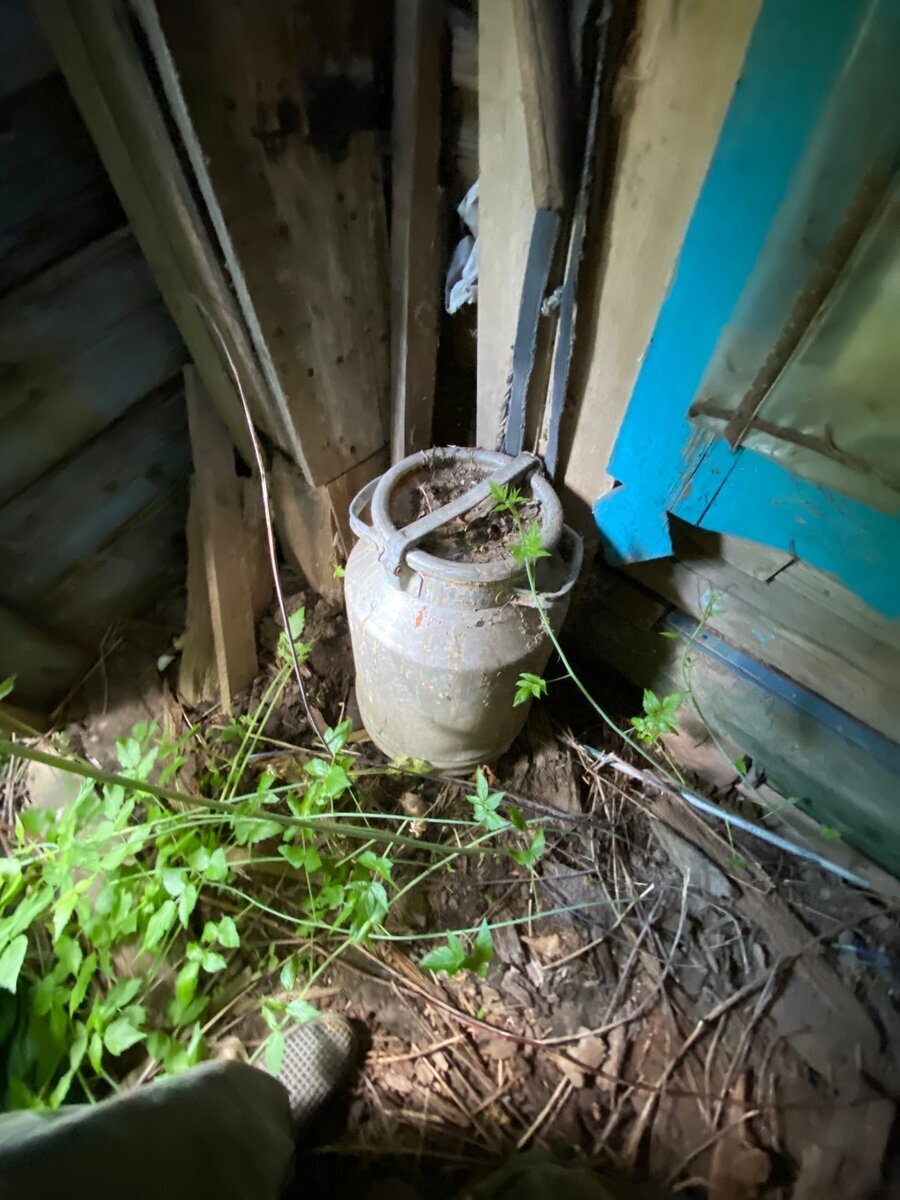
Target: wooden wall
93,440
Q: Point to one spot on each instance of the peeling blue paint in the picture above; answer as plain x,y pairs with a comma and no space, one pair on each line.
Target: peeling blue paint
806,59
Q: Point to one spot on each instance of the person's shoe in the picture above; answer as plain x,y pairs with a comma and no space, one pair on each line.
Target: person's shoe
317,1060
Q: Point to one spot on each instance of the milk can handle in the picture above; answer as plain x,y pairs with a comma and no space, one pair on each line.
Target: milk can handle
524,595
361,500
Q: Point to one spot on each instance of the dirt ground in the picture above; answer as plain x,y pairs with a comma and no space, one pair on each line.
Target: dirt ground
717,1017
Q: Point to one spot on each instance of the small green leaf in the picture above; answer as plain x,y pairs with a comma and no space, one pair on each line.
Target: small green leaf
740,765
449,959
274,1052
11,962
485,804
217,870
121,1035
371,861
829,833
186,983
160,924
336,739
187,902
288,974
228,934
95,1052
6,686
301,857
9,867
173,880
302,1011
529,686
213,961
528,857
668,633
516,819
482,954
70,955
82,982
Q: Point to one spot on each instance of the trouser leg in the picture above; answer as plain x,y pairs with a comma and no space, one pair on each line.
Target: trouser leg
221,1131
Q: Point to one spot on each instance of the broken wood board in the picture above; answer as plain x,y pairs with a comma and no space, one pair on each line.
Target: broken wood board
416,243
292,183
219,506
95,47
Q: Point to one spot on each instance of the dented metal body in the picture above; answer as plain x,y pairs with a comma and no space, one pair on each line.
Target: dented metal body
438,644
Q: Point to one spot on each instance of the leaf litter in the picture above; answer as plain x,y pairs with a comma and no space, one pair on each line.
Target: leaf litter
620,992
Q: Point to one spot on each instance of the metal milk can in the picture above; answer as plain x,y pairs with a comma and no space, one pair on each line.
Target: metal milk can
439,644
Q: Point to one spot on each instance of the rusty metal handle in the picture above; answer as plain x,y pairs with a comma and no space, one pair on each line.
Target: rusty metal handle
400,543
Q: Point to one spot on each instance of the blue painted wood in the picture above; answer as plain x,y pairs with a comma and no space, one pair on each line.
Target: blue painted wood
796,64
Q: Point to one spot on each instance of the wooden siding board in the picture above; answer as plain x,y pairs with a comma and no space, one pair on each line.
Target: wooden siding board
302,226
79,345
835,778
74,509
95,46
55,196
142,560
505,210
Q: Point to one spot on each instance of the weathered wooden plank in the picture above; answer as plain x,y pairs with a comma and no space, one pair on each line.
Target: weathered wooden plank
416,244
75,508
836,778
342,490
541,51
792,575
55,196
269,112
24,54
671,99
256,548
79,345
305,531
140,562
44,665
506,210
197,674
774,625
219,496
94,44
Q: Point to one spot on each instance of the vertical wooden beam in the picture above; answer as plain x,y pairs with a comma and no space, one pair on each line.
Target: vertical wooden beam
218,499
505,210
415,225
542,73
